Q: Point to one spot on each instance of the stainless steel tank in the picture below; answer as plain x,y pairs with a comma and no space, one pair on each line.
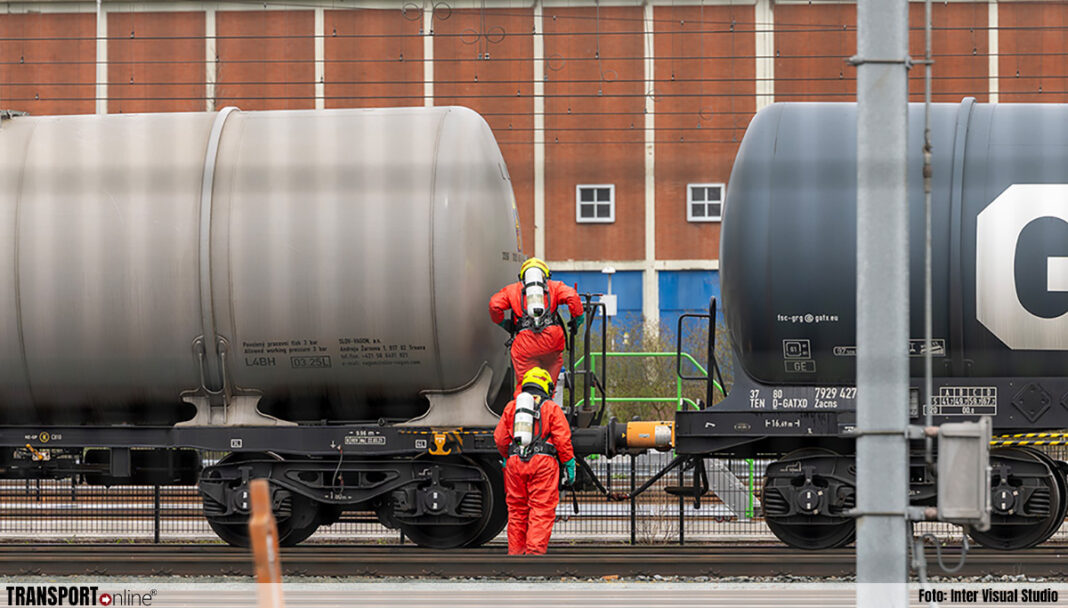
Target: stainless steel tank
335,263
1000,242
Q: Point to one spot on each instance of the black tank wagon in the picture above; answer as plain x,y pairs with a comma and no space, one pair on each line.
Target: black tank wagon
1000,329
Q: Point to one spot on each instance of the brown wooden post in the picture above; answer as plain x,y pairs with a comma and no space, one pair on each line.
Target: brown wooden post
263,533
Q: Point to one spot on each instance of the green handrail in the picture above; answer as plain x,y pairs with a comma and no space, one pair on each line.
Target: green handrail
752,487
679,399
644,400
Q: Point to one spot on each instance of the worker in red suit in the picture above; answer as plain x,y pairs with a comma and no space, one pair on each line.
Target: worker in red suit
538,330
532,435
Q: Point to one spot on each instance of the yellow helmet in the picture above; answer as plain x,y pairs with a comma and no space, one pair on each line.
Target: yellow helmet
536,263
540,378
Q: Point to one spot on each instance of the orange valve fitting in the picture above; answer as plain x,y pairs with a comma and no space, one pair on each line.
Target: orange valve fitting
654,434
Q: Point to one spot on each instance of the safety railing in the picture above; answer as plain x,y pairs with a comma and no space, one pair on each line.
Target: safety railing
592,382
678,399
710,343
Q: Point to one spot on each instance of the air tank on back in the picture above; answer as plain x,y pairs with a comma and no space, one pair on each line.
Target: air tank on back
1000,242
336,263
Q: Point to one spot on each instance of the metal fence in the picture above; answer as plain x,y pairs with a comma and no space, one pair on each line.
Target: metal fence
59,511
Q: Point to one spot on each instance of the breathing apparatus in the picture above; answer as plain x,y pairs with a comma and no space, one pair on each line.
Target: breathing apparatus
526,409
526,426
534,275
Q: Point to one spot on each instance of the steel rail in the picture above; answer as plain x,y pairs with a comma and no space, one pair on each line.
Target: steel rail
581,561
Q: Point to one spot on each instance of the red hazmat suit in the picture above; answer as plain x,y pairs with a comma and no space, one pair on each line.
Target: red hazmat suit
531,488
531,348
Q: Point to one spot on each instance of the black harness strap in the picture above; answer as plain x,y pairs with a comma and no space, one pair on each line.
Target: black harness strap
528,322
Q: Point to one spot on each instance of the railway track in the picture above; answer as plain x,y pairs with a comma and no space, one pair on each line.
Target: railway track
582,561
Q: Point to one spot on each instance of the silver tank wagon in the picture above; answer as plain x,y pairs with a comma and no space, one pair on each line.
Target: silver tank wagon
207,267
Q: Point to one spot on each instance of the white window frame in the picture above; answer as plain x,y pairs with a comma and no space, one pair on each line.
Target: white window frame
690,217
595,220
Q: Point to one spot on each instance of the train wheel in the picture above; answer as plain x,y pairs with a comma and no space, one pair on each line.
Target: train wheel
1028,500
236,533
1056,519
499,510
815,534
816,478
301,520
489,500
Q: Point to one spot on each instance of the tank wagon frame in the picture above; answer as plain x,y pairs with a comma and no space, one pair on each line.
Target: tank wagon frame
441,486
810,490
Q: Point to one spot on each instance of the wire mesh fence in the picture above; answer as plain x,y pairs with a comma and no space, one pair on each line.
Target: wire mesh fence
62,511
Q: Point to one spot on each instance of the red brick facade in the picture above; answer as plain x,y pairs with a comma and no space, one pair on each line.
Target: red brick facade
596,94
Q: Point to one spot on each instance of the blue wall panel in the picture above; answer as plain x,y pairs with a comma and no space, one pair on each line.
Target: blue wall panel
626,285
683,291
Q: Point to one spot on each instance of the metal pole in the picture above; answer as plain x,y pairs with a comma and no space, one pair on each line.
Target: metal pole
156,515
928,308
682,511
711,354
882,302
633,485
263,537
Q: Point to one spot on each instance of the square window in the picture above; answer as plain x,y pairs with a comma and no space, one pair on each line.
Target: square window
595,203
704,202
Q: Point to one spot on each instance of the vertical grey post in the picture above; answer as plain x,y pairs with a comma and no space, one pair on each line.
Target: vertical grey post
633,505
882,302
156,514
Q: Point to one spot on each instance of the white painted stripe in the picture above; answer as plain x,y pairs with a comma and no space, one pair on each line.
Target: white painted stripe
539,133
209,59
1057,274
428,54
687,264
992,43
320,60
650,284
765,53
101,58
